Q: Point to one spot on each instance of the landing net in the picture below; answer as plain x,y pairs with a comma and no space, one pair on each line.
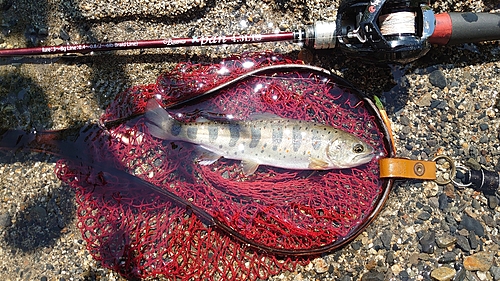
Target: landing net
140,233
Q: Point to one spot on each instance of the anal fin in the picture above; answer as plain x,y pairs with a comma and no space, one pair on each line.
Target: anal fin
249,167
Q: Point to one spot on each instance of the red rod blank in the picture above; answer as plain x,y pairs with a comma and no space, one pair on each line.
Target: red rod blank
147,44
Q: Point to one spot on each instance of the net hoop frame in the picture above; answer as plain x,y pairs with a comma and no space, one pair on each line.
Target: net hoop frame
387,183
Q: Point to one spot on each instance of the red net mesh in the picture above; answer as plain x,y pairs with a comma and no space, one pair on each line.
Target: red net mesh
139,232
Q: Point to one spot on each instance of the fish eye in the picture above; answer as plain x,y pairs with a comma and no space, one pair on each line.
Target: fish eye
358,148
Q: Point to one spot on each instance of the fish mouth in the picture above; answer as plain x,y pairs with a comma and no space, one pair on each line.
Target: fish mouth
363,159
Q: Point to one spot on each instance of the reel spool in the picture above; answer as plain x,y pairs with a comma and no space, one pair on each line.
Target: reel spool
382,31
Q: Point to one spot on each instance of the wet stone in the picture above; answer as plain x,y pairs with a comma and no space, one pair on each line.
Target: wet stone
472,224
481,261
38,213
443,273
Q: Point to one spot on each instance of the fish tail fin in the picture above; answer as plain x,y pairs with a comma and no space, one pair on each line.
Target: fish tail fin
159,123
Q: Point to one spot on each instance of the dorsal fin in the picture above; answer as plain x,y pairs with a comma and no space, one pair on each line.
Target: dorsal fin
263,116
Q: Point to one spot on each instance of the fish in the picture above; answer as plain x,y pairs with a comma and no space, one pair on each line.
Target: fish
263,139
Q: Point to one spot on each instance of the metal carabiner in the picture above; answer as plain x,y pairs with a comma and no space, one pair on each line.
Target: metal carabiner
442,177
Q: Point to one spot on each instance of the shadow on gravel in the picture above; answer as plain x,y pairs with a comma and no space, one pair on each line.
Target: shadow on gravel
43,219
41,223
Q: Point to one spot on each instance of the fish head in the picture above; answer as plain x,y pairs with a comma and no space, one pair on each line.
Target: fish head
349,151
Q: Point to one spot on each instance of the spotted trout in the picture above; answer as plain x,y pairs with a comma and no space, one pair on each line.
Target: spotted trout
264,139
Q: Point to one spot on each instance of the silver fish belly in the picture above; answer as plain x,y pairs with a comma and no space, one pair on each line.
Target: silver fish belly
264,140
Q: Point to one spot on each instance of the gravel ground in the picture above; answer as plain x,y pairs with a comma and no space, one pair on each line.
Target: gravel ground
445,103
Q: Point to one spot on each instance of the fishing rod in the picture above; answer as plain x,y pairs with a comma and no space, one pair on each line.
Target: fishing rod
379,31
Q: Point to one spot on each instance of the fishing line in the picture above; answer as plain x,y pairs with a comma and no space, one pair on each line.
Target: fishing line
397,23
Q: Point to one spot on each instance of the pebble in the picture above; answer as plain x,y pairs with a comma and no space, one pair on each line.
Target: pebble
320,265
447,257
463,243
488,220
5,220
481,261
424,216
472,224
424,101
373,275
443,201
474,243
437,78
428,242
389,258
404,120
386,238
38,213
431,189
492,201
483,126
445,240
495,272
443,273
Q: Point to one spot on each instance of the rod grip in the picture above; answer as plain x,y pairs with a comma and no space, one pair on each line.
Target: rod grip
459,28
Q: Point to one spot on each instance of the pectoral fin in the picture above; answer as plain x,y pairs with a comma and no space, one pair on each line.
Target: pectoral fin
249,167
206,157
317,164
